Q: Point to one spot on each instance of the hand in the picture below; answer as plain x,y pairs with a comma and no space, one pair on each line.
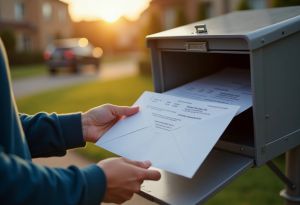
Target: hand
124,178
96,121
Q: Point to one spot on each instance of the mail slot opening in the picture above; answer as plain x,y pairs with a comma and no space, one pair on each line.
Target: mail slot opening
179,68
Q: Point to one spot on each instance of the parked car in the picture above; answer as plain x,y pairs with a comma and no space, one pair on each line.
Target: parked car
72,54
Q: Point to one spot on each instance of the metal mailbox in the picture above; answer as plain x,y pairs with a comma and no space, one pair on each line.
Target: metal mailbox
265,42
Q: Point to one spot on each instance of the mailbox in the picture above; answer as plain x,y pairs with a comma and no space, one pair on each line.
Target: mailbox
265,42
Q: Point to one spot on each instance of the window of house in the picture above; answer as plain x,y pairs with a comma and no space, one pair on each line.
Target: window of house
19,11
23,42
27,43
47,11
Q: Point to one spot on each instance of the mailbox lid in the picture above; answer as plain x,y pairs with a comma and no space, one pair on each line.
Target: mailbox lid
258,27
219,168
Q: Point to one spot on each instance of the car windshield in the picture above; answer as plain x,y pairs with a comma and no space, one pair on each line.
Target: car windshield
86,50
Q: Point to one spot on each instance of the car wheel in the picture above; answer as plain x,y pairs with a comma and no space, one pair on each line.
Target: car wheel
75,69
97,67
52,71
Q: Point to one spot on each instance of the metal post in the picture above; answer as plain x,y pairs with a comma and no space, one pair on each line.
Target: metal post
292,161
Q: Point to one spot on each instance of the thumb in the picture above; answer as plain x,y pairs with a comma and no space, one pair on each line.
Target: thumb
124,110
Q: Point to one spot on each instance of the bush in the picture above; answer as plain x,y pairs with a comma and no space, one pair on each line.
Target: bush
145,67
25,58
243,5
282,3
9,40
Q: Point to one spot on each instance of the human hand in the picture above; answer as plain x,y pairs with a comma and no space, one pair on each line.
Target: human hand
96,121
124,178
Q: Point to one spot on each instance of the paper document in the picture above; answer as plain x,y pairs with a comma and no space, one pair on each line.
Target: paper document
176,134
229,86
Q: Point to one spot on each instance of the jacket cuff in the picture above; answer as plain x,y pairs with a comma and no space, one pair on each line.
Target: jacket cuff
72,130
96,184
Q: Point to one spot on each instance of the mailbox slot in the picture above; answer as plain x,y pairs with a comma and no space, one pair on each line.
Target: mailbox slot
180,67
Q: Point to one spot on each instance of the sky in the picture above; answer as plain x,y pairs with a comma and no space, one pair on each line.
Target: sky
108,10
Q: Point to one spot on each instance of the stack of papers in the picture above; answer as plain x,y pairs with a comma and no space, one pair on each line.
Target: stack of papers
177,133
229,86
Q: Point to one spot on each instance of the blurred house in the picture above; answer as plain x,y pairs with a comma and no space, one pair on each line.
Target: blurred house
173,13
166,14
35,23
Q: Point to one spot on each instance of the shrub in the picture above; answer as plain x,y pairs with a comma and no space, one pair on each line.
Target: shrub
9,40
145,67
25,58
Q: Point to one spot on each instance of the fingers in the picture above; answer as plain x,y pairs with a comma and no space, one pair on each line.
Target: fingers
141,164
123,110
146,174
151,174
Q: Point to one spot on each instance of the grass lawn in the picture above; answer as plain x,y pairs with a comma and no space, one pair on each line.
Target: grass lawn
257,186
18,72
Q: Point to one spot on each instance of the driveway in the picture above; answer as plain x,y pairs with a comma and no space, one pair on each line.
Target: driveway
109,71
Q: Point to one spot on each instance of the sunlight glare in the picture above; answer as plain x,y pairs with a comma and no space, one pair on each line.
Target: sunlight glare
83,42
108,10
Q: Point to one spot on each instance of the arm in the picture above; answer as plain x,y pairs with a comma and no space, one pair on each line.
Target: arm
23,182
123,176
52,134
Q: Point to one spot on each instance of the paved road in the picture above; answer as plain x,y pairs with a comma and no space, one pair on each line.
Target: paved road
109,71
34,85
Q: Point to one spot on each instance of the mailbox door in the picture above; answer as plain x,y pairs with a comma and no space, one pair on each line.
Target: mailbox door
219,169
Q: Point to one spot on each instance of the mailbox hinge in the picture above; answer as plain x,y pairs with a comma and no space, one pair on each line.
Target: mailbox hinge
281,175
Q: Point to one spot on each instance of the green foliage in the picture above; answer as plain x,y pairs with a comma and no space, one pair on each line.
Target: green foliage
15,57
25,57
203,10
154,24
282,3
145,66
243,5
9,40
180,17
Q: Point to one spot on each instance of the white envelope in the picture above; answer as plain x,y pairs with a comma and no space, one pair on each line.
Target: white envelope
180,151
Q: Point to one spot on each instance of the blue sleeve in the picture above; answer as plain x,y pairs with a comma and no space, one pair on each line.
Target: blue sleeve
52,134
23,182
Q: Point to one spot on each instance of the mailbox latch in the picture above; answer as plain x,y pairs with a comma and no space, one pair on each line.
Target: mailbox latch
201,28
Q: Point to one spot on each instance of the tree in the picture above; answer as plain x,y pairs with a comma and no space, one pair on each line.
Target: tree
9,40
202,12
282,3
243,5
180,17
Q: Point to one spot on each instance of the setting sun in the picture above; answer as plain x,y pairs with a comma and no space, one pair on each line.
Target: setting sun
108,10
